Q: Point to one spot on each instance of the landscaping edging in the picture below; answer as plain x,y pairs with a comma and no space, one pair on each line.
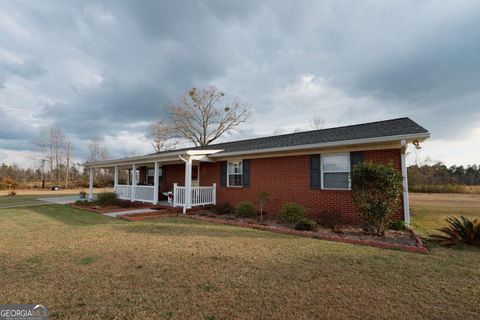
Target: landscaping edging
418,248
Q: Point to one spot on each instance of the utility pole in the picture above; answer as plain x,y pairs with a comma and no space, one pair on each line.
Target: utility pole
68,164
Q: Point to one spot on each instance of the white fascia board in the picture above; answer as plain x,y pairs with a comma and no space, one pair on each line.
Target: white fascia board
409,137
171,156
202,152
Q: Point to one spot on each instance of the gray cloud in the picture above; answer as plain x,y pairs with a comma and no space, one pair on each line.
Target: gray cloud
106,68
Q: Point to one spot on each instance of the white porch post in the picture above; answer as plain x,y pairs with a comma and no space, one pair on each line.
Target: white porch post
406,202
90,186
214,195
188,184
134,180
115,178
155,184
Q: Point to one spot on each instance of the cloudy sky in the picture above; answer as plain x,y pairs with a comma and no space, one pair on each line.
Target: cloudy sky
109,68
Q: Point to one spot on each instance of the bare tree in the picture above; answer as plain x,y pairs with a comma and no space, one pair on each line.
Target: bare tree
52,144
161,135
97,152
199,118
317,123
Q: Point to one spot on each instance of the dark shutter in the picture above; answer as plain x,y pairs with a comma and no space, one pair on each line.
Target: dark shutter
223,173
246,173
355,158
315,176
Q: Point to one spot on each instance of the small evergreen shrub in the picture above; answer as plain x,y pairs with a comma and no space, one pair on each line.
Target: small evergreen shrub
223,208
330,219
292,212
397,225
83,194
376,191
245,209
306,225
106,199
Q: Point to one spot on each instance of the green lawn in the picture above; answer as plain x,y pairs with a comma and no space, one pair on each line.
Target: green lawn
22,199
83,265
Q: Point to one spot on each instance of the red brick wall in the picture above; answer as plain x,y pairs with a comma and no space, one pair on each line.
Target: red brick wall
288,180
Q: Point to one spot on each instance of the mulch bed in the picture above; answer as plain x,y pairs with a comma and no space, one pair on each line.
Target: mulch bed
406,240
125,205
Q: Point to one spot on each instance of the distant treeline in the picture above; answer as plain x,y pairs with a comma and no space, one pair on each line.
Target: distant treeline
440,178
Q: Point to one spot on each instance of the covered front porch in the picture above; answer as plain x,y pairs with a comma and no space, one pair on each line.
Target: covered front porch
141,179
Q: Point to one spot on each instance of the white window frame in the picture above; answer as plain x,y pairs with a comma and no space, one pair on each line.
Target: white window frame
322,178
238,174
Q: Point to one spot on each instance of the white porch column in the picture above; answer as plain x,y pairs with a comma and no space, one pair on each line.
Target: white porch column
406,202
188,184
214,196
134,180
90,185
155,183
115,178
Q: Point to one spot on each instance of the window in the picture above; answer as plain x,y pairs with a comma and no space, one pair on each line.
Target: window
235,173
336,171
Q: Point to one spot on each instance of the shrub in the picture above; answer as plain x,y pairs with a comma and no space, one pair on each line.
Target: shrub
245,210
461,230
262,199
397,225
330,219
83,194
81,202
306,225
223,208
106,199
376,193
292,212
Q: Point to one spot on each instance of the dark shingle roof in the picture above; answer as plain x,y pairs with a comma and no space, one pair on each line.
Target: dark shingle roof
394,127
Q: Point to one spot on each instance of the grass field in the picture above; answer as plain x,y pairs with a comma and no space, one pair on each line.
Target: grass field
83,265
429,210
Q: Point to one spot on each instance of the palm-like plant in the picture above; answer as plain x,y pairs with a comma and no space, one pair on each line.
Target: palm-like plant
460,230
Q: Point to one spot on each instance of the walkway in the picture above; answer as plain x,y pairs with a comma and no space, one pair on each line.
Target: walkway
119,213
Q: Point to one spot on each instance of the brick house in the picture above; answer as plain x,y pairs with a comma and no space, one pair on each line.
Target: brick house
311,168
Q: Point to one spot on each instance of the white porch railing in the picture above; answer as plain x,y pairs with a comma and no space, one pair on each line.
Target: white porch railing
124,191
142,193
199,196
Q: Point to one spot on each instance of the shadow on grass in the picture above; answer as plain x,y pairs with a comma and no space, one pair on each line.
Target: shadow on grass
71,216
188,227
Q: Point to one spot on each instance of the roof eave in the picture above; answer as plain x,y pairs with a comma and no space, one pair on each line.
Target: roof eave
170,156
407,137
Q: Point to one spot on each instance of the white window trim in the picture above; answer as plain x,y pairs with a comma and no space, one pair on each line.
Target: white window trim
349,170
240,174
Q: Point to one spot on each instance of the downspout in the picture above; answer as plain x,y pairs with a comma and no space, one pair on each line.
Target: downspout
406,202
